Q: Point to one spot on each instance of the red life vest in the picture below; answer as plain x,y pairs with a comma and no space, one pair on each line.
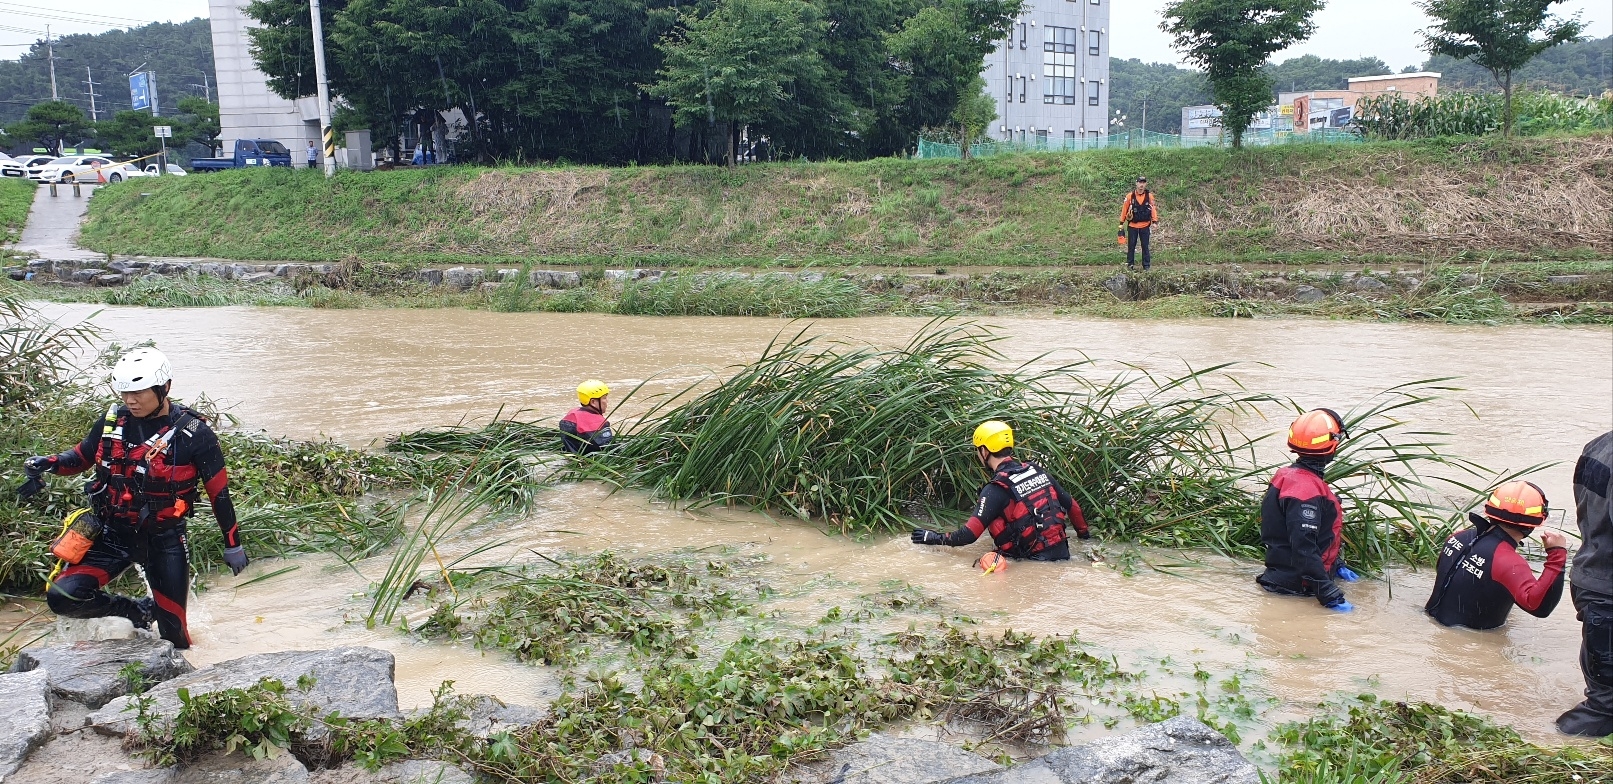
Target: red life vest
137,484
1034,519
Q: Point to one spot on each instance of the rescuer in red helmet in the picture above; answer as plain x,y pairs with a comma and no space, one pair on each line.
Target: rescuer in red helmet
1301,520
1481,575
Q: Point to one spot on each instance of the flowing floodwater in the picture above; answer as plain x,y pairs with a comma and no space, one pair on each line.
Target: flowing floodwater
1530,395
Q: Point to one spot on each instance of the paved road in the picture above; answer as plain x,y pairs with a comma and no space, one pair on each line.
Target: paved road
52,228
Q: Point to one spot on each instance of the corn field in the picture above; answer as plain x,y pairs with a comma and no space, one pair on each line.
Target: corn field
1391,116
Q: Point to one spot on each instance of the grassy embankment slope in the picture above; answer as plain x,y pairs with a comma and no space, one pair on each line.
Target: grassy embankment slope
1432,200
16,197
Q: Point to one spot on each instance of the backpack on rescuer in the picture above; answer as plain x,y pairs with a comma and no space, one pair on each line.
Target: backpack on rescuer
1142,212
1033,487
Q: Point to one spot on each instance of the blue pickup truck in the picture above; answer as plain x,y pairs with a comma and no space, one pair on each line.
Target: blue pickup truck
248,152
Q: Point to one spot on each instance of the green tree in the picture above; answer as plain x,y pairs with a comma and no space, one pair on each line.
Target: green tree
180,54
942,49
740,63
130,133
1582,68
50,123
1231,40
1497,35
198,124
974,113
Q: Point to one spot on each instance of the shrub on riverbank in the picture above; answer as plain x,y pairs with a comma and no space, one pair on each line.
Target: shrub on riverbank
1437,198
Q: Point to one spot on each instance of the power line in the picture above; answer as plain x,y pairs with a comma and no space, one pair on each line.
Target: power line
81,14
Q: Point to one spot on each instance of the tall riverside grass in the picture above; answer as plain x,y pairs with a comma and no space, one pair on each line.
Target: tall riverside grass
870,440
867,439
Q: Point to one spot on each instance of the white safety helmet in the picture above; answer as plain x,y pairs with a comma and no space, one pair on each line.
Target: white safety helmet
142,368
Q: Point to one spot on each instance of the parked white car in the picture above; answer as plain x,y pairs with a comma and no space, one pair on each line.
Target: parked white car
75,167
173,168
11,167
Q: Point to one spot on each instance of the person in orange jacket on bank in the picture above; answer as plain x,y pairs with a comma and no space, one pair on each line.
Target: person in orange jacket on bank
1138,214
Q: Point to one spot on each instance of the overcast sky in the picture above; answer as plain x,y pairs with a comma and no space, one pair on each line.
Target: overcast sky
1386,29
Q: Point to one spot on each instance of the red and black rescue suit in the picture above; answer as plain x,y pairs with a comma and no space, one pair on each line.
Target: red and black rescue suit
584,431
147,472
1302,525
1026,513
1481,575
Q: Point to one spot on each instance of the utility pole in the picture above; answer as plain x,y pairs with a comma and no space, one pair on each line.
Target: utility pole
50,53
1145,118
325,131
89,79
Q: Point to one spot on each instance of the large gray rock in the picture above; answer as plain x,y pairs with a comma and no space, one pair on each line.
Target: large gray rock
357,682
240,769
882,759
1118,286
1178,751
431,277
463,278
1369,283
89,673
404,772
489,716
24,717
255,277
1308,294
552,279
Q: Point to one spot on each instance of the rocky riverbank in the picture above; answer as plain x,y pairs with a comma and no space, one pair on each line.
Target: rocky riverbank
97,711
1566,293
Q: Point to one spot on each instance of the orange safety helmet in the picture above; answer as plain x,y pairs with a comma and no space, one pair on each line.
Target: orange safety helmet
1317,432
1518,503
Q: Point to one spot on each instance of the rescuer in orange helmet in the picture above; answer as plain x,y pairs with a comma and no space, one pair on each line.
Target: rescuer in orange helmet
1301,520
1481,575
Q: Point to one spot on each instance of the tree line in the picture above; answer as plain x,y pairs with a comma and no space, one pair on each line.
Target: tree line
52,125
181,55
614,81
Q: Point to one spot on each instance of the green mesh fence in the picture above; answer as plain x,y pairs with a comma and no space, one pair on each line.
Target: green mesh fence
1135,139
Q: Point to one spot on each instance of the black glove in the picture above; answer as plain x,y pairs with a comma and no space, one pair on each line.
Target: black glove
926,536
34,466
1083,534
235,558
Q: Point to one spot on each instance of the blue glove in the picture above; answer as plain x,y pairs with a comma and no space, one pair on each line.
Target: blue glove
1347,574
235,558
1342,607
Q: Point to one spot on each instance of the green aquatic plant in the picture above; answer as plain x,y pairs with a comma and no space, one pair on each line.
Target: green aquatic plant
867,438
1374,739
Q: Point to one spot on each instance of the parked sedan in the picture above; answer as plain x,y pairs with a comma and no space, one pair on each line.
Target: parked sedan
73,167
173,168
11,167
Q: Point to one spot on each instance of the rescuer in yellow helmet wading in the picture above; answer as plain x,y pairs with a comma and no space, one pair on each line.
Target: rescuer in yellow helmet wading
1022,507
585,430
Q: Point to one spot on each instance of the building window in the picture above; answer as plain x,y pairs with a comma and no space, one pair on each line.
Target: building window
1092,138
1095,2
1094,39
1092,93
1041,139
1058,65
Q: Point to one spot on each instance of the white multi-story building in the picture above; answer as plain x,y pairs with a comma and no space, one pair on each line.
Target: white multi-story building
247,108
1051,77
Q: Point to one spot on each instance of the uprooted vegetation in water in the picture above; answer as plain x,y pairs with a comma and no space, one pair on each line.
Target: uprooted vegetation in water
1430,198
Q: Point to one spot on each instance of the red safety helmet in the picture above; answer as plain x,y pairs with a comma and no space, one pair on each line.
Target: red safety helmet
1317,432
1518,503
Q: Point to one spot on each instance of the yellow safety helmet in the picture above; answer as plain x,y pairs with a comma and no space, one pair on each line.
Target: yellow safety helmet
995,435
591,390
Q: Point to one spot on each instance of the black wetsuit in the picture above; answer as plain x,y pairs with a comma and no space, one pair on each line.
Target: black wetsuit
1592,591
147,475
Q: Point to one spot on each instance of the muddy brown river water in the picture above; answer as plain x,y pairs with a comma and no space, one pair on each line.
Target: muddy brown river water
1530,395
